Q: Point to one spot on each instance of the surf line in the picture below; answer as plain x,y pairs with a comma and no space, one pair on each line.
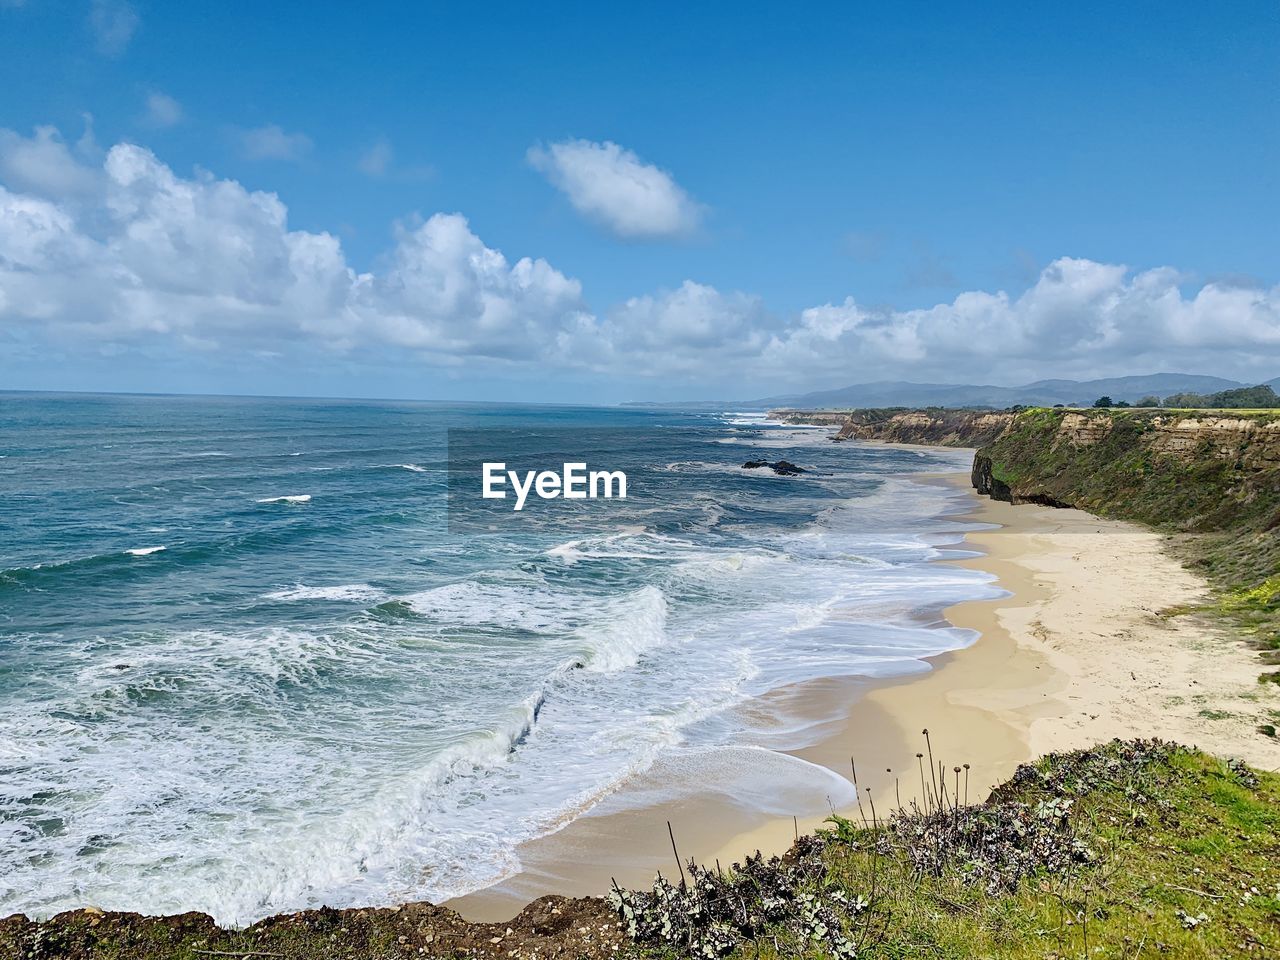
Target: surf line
574,482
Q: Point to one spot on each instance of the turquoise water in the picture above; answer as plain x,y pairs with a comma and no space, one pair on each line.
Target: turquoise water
247,663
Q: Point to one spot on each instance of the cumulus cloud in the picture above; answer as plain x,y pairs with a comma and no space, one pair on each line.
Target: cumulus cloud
1080,318
113,23
205,262
43,163
116,251
163,110
270,142
685,330
614,187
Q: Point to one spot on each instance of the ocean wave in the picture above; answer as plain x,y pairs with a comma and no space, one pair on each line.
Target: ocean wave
291,498
353,592
628,628
37,574
746,419
701,466
629,543
782,437
144,551
472,603
412,467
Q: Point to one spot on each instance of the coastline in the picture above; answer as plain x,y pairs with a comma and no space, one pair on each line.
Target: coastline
1078,653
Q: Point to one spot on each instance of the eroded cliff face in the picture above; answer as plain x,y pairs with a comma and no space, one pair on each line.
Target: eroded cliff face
1184,470
936,427
1178,470
1253,439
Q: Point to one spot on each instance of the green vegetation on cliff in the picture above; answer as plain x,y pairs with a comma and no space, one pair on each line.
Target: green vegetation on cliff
1125,849
1129,849
1212,476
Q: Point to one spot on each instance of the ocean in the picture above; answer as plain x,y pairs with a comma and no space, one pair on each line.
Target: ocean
259,655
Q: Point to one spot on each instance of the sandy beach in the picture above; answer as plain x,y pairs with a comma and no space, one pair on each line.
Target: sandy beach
1079,652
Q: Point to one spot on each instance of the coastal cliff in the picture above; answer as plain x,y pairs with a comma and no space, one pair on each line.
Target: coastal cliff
1210,479
1190,471
933,426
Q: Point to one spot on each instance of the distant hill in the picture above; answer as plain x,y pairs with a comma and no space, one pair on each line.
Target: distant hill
902,393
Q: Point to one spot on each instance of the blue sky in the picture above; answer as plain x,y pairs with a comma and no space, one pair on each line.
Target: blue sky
835,193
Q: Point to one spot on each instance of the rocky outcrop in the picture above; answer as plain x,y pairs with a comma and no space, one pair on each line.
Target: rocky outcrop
783,468
986,482
1252,441
1082,430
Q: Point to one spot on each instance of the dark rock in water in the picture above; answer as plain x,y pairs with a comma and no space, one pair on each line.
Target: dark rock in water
783,468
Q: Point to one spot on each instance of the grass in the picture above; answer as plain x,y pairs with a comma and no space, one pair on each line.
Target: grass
1168,853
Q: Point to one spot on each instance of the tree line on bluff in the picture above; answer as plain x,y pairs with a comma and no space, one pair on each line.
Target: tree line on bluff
1261,397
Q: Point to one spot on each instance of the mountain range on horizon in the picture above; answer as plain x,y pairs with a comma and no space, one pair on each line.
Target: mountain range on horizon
903,393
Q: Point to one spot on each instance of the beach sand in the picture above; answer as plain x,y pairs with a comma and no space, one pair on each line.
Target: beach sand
1079,653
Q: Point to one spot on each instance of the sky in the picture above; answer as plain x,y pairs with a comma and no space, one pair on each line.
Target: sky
600,202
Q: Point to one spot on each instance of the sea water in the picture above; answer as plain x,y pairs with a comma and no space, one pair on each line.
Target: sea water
254,659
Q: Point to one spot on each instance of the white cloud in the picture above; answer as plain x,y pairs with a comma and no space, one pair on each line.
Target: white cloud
1080,318
614,187
163,110
206,262
270,142
117,251
690,329
375,161
113,23
44,164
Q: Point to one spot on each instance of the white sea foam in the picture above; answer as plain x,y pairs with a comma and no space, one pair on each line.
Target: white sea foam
625,630
413,467
143,551
292,498
746,419
339,758
346,592
782,437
